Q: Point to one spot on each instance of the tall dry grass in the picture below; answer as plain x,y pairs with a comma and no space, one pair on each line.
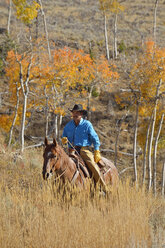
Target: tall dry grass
36,214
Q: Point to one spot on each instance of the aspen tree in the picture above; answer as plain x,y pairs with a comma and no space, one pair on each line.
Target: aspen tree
118,130
71,73
163,178
46,112
145,151
26,12
25,91
153,121
147,77
116,7
155,15
150,69
155,153
45,28
107,7
15,115
135,141
20,71
103,8
9,17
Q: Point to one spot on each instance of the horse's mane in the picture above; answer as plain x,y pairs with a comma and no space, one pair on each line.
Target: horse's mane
63,155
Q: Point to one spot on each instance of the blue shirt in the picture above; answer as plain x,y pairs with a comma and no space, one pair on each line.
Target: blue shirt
81,135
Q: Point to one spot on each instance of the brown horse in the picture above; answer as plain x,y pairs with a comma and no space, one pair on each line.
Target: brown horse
57,161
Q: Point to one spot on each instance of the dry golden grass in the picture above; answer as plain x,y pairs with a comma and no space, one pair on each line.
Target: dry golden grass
34,213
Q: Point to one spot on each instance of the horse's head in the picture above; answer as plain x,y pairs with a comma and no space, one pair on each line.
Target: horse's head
51,158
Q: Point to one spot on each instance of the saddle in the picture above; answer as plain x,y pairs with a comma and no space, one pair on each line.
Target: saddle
80,163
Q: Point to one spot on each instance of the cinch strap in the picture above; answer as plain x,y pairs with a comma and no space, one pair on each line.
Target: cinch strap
75,176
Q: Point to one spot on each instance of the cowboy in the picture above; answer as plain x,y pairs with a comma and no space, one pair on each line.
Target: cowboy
80,134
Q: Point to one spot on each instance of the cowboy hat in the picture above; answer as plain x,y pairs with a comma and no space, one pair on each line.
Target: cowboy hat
79,108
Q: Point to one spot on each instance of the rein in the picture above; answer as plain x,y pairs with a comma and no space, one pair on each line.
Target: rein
56,178
77,172
74,148
75,175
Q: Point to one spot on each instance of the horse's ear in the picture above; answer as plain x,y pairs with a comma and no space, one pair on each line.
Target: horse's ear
54,142
46,141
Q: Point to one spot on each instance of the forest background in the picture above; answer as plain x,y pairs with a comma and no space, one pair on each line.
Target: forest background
107,55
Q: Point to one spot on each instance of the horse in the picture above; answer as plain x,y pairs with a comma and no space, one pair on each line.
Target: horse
57,161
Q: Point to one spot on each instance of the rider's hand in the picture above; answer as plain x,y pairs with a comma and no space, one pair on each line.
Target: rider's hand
64,140
97,156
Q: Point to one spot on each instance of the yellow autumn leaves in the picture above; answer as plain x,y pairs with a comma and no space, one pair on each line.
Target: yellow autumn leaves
70,74
26,12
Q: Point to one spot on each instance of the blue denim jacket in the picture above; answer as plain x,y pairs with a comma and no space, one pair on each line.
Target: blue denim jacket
81,135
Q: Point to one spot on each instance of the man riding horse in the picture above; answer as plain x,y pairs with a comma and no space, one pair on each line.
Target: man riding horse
80,135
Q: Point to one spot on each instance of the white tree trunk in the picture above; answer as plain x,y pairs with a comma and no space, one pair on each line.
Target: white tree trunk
56,126
46,114
163,178
59,126
145,151
106,37
25,91
116,145
15,116
9,17
23,121
89,102
149,152
37,25
60,120
152,135
54,90
45,28
135,141
47,121
155,152
115,52
154,27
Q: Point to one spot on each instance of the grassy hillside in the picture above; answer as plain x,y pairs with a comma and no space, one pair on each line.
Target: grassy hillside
37,214
79,23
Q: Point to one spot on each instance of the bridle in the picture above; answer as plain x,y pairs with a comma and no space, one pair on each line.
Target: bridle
47,171
50,172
